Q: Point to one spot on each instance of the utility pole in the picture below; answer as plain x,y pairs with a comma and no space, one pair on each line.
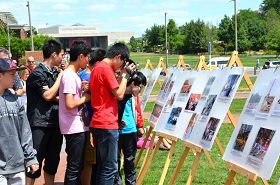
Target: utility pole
8,33
235,26
30,27
166,44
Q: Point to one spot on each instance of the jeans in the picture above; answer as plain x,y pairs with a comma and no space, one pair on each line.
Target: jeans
75,146
128,145
13,179
106,155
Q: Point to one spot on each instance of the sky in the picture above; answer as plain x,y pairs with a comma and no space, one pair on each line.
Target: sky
122,15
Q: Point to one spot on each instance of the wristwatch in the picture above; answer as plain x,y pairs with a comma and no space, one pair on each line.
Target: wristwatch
125,75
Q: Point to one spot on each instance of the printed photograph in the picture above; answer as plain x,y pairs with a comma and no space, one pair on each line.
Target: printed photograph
242,137
266,104
164,87
190,126
229,86
208,86
170,102
156,113
185,90
208,105
193,101
210,129
261,144
255,99
276,109
172,120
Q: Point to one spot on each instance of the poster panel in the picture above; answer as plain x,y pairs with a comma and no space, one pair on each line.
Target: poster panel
189,92
254,143
211,109
149,87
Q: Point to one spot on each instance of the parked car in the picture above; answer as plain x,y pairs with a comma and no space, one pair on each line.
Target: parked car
218,62
272,64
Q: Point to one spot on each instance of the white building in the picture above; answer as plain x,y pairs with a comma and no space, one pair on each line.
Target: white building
90,34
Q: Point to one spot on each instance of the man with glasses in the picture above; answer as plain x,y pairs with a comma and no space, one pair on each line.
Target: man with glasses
30,63
105,93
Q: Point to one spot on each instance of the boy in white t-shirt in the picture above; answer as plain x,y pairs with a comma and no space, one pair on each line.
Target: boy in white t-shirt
71,99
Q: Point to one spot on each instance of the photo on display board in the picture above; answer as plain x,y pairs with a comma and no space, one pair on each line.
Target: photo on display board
276,109
170,102
266,104
229,87
260,146
173,118
255,99
190,126
242,137
208,86
209,131
186,87
156,113
208,105
193,101
164,87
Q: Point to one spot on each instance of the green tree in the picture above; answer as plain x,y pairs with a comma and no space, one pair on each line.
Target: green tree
226,32
273,30
268,4
173,37
155,37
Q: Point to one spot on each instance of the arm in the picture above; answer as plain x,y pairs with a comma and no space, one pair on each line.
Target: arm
71,103
25,137
119,91
50,93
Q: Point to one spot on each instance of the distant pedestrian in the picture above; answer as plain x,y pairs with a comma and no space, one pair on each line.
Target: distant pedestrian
257,63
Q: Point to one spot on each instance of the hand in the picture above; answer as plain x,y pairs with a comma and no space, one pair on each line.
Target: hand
140,132
33,168
87,96
130,68
91,139
85,86
121,125
45,87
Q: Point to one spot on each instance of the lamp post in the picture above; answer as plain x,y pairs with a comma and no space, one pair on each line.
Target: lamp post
30,27
235,26
166,45
8,33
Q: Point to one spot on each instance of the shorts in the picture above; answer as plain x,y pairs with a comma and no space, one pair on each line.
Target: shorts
47,142
90,151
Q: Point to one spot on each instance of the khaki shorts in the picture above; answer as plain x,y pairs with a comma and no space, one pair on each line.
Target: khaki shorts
90,152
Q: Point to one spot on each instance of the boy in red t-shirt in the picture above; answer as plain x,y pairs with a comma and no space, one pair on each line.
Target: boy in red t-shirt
105,91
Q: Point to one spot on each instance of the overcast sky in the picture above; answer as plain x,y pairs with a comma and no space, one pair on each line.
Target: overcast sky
122,15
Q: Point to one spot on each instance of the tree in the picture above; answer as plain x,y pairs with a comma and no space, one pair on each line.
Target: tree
268,4
173,37
155,37
273,30
226,32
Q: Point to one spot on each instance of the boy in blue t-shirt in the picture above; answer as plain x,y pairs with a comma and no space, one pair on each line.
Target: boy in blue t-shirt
129,111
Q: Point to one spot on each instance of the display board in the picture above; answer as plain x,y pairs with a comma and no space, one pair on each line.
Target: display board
254,144
204,123
168,87
186,94
149,87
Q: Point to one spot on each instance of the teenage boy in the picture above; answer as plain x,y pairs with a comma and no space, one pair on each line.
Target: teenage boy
42,111
131,117
71,100
105,93
16,147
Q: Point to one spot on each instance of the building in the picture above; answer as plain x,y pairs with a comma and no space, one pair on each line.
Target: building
8,21
90,34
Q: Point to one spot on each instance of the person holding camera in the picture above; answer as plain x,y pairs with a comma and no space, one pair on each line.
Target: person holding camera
105,93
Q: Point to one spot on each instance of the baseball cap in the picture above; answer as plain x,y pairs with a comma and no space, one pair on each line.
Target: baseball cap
8,65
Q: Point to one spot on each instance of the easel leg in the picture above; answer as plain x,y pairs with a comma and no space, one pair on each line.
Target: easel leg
251,181
143,146
230,177
148,163
179,165
265,182
217,140
148,152
167,162
209,159
194,167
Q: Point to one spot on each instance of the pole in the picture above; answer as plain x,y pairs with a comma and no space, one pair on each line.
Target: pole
8,33
30,27
235,26
166,46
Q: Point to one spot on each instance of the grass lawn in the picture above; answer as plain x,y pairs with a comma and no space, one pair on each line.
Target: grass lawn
141,58
204,174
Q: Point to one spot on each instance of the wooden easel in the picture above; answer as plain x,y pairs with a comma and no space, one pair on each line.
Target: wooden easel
181,62
237,169
147,163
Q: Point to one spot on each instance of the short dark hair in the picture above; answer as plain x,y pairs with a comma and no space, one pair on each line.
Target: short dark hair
118,49
78,47
138,78
95,56
51,46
